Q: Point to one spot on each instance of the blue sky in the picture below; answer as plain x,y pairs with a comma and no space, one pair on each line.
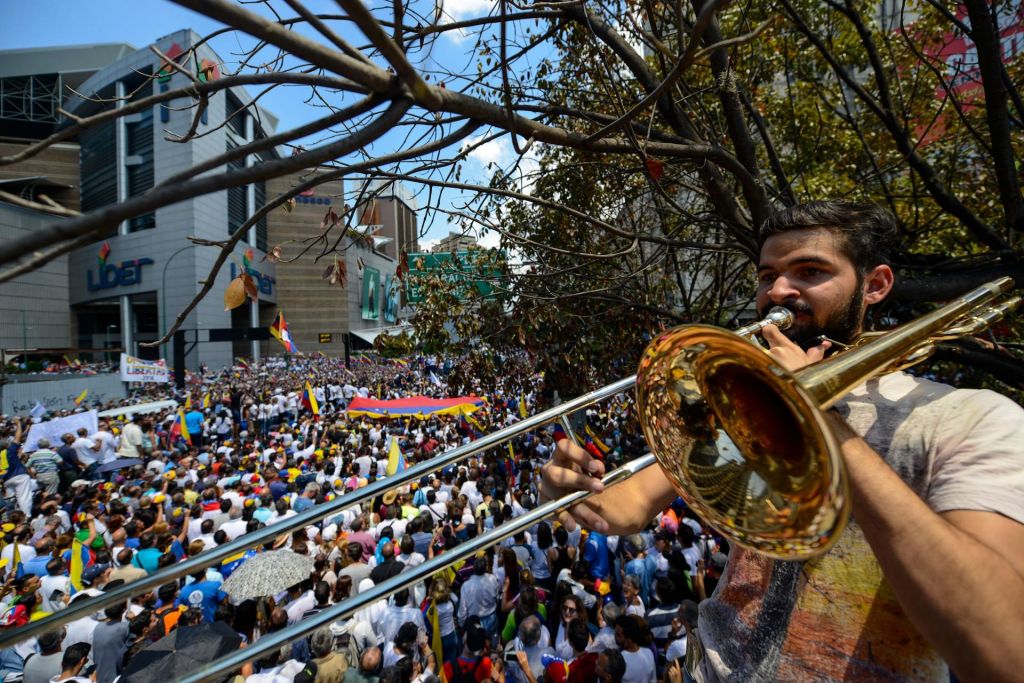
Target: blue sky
43,23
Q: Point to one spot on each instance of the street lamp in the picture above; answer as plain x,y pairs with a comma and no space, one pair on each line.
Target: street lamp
163,289
24,331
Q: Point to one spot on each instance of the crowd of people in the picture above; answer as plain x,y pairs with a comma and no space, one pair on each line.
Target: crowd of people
551,603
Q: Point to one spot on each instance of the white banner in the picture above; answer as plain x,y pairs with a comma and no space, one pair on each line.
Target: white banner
139,409
137,370
56,428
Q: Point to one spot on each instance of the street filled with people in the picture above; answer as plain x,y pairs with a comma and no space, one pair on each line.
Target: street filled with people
253,445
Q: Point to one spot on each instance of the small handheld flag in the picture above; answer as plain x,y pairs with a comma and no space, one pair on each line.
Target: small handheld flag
522,407
17,569
180,427
396,461
279,328
206,400
309,399
81,397
77,565
597,441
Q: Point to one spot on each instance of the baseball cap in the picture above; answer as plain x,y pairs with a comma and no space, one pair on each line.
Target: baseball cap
91,573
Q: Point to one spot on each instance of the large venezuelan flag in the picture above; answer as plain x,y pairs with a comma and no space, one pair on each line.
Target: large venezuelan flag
415,406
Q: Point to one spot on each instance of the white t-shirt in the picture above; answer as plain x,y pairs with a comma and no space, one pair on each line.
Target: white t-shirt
53,590
84,450
957,449
639,666
108,446
675,650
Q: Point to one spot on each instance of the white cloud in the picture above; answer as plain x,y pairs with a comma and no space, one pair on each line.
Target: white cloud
495,151
491,240
529,166
463,9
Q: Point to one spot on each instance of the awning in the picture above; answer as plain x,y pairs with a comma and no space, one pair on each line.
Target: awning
369,335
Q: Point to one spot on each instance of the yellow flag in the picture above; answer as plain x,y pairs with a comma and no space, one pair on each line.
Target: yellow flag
435,639
522,407
76,565
81,397
310,398
206,400
511,453
396,463
188,402
16,561
183,427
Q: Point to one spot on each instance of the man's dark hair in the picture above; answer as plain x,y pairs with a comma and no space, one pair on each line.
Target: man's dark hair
115,612
49,642
322,592
355,552
578,636
616,668
869,233
73,655
167,592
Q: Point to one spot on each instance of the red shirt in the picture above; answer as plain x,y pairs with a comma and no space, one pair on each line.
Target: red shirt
578,670
483,668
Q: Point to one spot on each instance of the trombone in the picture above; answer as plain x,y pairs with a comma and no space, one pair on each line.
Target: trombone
743,440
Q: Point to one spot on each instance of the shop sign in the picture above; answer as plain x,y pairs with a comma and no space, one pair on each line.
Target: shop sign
109,276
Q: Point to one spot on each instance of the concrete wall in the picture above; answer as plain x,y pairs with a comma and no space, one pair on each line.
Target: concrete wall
33,307
59,394
311,305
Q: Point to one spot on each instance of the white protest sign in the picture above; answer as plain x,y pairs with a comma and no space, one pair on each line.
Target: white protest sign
137,370
54,429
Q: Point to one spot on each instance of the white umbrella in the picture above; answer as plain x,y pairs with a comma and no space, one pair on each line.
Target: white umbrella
266,574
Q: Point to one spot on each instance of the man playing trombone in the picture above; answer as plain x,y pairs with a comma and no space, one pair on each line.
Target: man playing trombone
930,569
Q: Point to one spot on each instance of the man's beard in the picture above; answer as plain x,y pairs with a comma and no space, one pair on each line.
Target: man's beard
842,326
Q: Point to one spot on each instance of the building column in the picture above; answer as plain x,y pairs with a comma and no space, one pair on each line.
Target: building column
121,148
250,200
127,331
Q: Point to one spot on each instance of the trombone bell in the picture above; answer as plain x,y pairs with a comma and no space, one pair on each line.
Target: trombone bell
742,442
745,442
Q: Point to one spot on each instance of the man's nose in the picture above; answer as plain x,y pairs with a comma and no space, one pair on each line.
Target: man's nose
782,290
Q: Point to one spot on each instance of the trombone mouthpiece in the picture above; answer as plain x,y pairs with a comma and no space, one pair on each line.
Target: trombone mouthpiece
781,317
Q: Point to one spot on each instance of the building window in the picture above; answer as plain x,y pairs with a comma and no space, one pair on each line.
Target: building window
139,165
238,197
261,224
98,165
238,200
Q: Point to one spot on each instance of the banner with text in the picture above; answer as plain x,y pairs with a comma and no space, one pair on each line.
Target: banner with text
54,429
137,370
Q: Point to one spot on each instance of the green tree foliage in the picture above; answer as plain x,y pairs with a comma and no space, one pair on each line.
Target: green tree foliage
794,101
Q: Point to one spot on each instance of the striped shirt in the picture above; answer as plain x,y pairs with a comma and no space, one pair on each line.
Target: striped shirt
44,460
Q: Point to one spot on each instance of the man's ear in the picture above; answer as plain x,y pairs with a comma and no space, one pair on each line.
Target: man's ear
877,284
